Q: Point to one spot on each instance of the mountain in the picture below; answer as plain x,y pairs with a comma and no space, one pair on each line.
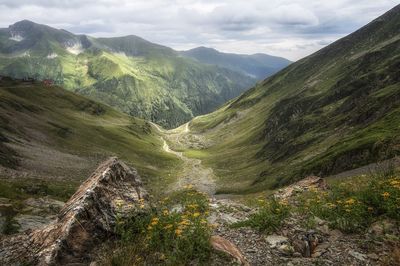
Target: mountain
335,110
51,139
259,66
129,73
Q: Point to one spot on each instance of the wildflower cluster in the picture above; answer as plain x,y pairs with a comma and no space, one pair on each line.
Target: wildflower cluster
352,206
177,229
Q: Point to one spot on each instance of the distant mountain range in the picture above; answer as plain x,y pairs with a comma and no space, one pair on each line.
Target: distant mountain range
259,66
129,73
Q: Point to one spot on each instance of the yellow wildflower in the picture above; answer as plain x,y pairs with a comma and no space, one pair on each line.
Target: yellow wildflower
149,227
165,212
178,232
168,226
203,221
119,202
154,223
350,201
184,222
196,214
385,194
331,205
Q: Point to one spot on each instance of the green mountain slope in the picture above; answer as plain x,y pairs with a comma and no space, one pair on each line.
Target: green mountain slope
332,111
259,66
131,74
52,136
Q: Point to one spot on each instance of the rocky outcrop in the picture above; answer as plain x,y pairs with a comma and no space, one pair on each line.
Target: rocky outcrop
88,218
306,184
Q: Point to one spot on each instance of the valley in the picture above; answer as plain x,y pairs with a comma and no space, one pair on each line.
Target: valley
119,151
133,75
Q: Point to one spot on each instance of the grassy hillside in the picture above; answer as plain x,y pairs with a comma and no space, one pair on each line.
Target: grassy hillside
129,73
53,139
259,66
332,111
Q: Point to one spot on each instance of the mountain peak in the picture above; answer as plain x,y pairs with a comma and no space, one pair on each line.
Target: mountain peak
23,25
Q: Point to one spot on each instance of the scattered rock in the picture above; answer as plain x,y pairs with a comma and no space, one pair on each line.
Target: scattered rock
383,227
177,208
286,249
227,218
373,256
357,255
308,183
319,221
276,240
224,245
86,220
27,221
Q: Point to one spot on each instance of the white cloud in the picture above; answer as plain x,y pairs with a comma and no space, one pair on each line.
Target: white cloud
286,28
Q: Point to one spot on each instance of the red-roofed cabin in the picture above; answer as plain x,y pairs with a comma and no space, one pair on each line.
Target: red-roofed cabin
48,82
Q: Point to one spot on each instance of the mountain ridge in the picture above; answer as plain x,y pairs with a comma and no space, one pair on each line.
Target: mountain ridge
257,65
332,111
129,73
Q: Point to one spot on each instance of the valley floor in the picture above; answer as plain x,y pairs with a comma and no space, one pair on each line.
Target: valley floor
193,173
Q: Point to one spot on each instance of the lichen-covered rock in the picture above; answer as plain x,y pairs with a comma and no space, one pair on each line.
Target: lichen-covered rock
89,217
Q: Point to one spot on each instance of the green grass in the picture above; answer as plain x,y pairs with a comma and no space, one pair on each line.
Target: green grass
269,218
68,125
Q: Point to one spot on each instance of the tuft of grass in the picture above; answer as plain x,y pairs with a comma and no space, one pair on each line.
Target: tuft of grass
269,217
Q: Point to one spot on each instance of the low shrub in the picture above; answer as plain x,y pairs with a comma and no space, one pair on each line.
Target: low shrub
268,218
352,206
174,233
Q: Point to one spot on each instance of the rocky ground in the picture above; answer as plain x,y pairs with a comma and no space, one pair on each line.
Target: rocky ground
294,244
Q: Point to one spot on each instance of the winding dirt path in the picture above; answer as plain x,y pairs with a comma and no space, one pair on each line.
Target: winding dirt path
194,172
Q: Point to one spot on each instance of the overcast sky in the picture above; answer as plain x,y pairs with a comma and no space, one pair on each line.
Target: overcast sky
292,29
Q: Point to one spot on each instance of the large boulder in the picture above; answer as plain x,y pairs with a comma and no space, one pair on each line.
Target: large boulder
113,191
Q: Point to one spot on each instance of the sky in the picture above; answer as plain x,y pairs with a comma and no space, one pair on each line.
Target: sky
291,29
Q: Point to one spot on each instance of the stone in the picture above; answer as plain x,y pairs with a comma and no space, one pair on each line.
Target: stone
276,240
228,219
297,254
373,256
381,228
27,221
319,221
178,208
221,244
86,220
308,183
286,249
357,255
